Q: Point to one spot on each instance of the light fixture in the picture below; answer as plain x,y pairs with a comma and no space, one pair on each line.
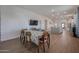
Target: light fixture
65,12
53,10
55,24
52,14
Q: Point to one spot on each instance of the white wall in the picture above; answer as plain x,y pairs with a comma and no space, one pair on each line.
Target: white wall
13,19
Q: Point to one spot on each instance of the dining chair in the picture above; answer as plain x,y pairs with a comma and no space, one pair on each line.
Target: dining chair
45,39
22,36
28,38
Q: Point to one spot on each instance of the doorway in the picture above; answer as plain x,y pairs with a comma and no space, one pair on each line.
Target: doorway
63,25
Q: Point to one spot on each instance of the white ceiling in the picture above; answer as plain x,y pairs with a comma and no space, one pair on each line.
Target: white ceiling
46,10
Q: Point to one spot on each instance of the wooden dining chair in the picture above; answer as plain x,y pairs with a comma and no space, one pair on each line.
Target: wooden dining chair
45,39
28,38
46,36
22,37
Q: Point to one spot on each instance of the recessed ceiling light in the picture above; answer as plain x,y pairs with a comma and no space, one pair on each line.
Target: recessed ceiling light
53,10
52,15
65,12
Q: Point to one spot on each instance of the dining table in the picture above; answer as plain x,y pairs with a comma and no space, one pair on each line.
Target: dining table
35,35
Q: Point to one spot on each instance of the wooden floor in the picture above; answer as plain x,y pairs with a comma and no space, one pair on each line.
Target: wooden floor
64,43
60,43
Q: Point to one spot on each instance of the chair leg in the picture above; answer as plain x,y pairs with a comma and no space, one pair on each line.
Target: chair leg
30,44
38,49
23,40
20,39
43,47
48,43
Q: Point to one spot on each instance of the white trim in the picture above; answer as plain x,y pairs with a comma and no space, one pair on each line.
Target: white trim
10,38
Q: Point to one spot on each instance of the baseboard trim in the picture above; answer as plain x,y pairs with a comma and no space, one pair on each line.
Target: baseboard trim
10,38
